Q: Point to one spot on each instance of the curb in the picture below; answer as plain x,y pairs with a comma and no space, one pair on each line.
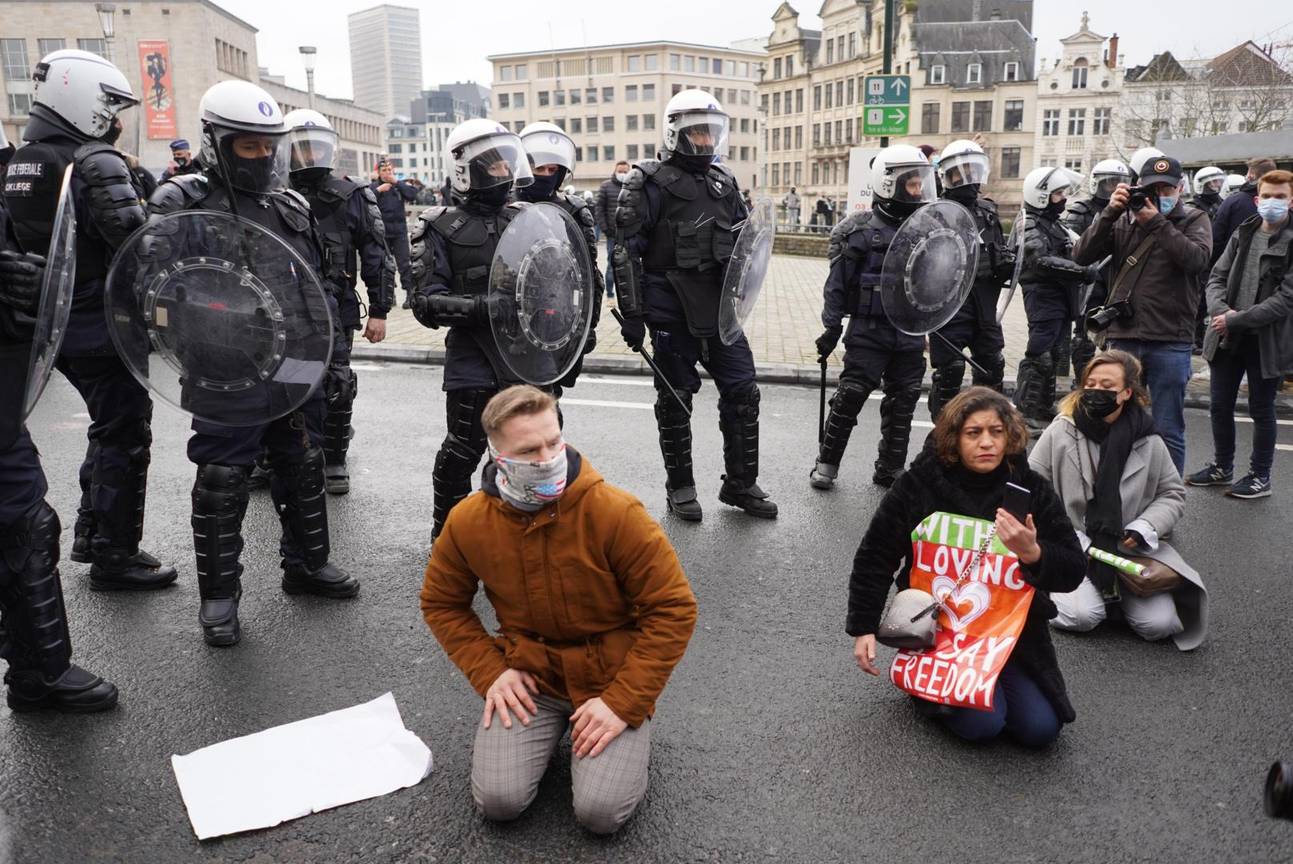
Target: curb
801,374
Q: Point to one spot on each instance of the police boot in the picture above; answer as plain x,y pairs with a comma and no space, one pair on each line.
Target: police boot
1030,391
897,410
337,430
738,419
83,528
1083,351
302,507
846,404
675,446
119,563
35,638
219,503
259,476
944,385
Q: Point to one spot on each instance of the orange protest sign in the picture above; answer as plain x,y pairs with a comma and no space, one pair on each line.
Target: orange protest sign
980,619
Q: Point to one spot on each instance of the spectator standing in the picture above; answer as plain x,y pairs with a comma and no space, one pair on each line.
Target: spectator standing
446,193
1238,207
791,203
1157,253
604,210
1250,301
392,194
181,160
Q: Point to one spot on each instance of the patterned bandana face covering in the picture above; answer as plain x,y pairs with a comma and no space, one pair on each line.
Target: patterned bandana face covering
530,485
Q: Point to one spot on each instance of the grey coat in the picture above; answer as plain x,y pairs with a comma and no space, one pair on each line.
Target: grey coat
1271,316
1153,499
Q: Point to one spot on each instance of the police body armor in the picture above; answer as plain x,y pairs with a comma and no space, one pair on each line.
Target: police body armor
1048,260
867,252
692,239
329,200
996,264
1079,215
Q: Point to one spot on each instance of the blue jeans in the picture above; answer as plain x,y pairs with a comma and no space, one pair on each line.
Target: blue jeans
1167,371
610,266
1019,708
1228,368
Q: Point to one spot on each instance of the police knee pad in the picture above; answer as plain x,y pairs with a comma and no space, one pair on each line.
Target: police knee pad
994,366
950,374
219,489
669,411
741,403
849,398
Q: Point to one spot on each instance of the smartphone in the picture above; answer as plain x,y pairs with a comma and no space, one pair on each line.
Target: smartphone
1017,501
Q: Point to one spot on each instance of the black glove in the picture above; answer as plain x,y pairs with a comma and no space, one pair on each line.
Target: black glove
20,280
1092,273
591,343
828,340
422,311
634,332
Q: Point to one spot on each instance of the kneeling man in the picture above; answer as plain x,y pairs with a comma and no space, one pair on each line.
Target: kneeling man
594,612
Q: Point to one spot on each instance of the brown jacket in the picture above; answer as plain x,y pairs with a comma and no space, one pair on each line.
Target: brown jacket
589,594
1164,286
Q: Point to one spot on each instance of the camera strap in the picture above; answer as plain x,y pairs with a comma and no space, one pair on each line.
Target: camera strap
1129,264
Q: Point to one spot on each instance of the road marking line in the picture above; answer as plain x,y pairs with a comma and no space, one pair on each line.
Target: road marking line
1280,422
1284,447
599,403
921,424
626,381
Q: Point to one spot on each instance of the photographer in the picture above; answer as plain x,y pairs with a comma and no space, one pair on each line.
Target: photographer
1158,250
1250,301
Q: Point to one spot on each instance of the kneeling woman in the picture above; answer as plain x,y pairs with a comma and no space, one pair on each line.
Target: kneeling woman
977,447
1120,488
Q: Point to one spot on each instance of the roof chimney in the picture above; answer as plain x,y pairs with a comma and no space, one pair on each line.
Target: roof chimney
1112,62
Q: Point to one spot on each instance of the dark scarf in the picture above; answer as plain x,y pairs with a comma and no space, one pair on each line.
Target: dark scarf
1104,522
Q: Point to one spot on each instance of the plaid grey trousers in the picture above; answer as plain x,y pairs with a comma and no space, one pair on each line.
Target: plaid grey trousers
507,765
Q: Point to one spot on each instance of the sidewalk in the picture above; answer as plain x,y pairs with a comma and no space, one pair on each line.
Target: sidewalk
781,331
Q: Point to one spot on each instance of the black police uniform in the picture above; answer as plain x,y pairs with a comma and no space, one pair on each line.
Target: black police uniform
224,454
1051,283
114,475
975,324
1210,203
453,248
353,235
1078,216
34,639
876,354
678,221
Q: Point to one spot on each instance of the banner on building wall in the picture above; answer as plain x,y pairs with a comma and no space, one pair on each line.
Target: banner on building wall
159,96
860,177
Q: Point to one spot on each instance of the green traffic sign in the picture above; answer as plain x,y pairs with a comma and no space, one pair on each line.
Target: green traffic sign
885,120
887,90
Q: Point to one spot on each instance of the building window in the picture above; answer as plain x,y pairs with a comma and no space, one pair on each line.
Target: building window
560,123
853,45
1012,71
634,63
839,93
817,98
397,148
799,101
631,152
558,97
1050,122
1104,116
929,118
677,88
974,73
1014,115
608,124
839,131
799,137
631,93
1077,121
817,168
608,95
648,121
830,96
543,98
785,139
790,67
826,134
13,53
504,73
849,91
49,46
675,62
776,139
689,63
518,100
504,101
577,125
1073,165
1079,74
1009,161
830,50
579,154
590,95
576,96
817,134
848,130
776,104
648,92
937,74
100,47
545,69
960,116
590,123
776,68
983,116
631,122
799,174
745,154
608,152
522,72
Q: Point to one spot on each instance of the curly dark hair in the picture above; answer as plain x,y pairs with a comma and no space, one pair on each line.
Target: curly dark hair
947,431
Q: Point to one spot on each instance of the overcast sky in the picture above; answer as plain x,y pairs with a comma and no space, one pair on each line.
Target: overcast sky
457,35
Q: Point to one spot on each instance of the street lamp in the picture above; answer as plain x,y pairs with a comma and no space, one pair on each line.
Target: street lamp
308,56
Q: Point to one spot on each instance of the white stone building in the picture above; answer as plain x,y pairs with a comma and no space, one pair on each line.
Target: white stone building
1078,102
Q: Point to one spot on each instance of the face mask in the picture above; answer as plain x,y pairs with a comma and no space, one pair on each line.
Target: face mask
181,161
254,175
1098,403
966,194
1272,210
530,485
494,196
622,176
1054,210
1166,204
542,189
692,163
113,133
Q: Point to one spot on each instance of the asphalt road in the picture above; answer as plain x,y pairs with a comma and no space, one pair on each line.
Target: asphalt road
769,744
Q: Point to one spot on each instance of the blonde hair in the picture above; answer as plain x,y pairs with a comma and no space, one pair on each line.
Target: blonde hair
1131,377
518,401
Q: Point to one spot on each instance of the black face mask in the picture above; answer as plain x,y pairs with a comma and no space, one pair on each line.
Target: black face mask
113,133
1054,210
967,194
181,161
493,197
691,163
1208,197
253,175
1098,404
542,189
6,154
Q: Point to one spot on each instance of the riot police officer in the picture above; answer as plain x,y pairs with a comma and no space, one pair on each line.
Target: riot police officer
453,248
677,221
77,98
1207,190
244,157
1078,216
1051,283
351,229
876,354
33,626
964,169
552,159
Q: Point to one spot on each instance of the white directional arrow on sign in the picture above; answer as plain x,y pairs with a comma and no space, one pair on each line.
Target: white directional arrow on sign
899,86
900,115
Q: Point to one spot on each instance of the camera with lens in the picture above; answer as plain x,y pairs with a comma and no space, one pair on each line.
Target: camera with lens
1279,791
1140,196
1100,318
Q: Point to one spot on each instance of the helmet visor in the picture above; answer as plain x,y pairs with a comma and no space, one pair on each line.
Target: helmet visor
963,169
312,147
497,160
914,184
550,148
701,133
1213,186
1104,184
254,161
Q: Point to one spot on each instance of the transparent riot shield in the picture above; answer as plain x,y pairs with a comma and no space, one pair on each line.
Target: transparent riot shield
746,270
1016,244
55,296
929,268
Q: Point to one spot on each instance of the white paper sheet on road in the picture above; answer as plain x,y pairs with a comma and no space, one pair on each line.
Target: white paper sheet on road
300,768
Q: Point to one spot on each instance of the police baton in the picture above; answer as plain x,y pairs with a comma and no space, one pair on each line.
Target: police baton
650,361
821,404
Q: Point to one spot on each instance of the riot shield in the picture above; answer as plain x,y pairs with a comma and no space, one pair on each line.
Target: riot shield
743,278
220,317
55,296
929,268
541,294
1016,244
